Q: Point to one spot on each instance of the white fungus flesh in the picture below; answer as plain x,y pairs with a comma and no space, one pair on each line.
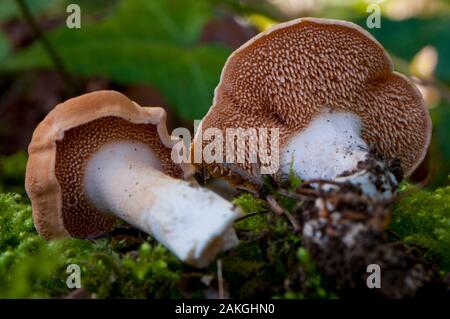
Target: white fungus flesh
287,75
123,179
330,148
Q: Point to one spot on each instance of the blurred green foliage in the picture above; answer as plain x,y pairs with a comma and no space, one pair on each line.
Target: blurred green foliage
12,173
440,147
423,218
9,8
33,267
153,42
4,46
249,204
407,37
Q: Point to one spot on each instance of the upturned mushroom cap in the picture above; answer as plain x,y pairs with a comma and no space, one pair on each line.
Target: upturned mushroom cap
61,146
282,78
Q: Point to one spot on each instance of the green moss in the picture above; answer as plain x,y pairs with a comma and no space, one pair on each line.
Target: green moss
24,262
269,255
256,224
293,179
259,265
32,267
423,218
266,255
250,204
313,284
16,223
12,173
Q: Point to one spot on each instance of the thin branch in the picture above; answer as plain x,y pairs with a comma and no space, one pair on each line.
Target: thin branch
258,181
320,181
394,234
249,215
277,209
274,205
309,192
220,279
247,190
291,195
48,47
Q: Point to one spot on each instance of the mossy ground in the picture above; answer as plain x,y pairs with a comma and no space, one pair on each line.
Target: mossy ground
422,218
138,267
269,262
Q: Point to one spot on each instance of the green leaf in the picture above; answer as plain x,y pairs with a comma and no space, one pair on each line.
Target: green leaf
406,37
4,46
9,8
12,172
147,42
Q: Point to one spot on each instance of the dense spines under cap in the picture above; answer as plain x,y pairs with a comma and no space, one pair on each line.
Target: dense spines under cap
52,202
82,219
286,76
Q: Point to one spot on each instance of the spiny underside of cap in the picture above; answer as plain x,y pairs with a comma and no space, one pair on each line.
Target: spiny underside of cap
81,218
63,142
285,77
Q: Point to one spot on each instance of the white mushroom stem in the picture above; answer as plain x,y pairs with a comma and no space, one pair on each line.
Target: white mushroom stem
123,179
330,148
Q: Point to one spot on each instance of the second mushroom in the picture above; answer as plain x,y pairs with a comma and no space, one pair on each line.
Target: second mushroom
101,156
329,88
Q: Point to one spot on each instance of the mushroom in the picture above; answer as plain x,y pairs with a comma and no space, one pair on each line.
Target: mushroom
329,88
100,156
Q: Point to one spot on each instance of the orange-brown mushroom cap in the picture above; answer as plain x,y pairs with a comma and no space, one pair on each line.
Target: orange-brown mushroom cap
64,141
284,77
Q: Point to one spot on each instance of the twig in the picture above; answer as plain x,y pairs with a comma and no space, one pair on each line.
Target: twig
309,192
258,181
70,82
394,234
291,195
349,198
320,181
256,168
247,190
249,215
274,205
277,209
220,279
324,212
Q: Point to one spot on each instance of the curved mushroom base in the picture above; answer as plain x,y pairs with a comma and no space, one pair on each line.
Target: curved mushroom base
331,148
122,179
